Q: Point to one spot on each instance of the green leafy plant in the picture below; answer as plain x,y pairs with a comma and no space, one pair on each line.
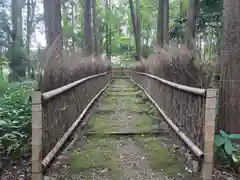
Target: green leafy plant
225,149
15,120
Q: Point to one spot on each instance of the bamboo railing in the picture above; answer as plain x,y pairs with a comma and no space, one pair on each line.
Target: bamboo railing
189,111
57,113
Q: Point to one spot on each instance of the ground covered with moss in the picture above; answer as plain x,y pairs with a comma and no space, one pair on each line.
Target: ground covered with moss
103,156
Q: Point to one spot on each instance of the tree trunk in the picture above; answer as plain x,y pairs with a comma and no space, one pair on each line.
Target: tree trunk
108,30
229,111
193,9
110,43
28,26
72,13
166,21
138,31
87,28
96,45
133,18
160,20
31,5
16,62
53,20
134,24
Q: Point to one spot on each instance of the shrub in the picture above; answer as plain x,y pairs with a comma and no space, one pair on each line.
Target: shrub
178,65
15,120
226,152
3,86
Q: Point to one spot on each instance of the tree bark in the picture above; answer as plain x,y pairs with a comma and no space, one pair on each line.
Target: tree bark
166,21
16,62
72,13
28,26
160,19
96,45
133,17
138,31
229,111
134,24
53,20
193,9
31,5
87,28
106,30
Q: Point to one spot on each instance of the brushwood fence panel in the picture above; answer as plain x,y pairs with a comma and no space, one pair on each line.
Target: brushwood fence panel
55,111
192,110
62,110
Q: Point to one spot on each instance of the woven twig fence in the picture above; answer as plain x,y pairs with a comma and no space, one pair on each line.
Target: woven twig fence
56,114
189,111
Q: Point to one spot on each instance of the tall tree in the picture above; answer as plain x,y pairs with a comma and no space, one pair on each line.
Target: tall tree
94,14
138,31
53,18
108,29
133,18
160,20
192,14
87,27
166,21
16,51
72,16
229,111
31,6
135,24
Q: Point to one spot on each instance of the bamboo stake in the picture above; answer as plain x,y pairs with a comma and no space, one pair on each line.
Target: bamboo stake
195,149
196,91
65,136
55,92
36,136
209,130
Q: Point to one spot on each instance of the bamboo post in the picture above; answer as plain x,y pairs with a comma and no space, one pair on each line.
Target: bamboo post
37,136
209,130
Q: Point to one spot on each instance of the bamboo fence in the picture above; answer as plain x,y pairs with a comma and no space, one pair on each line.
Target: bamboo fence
189,111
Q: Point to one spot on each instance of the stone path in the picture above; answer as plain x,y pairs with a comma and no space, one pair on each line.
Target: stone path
105,157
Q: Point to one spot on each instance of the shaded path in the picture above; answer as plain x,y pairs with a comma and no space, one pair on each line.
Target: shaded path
102,156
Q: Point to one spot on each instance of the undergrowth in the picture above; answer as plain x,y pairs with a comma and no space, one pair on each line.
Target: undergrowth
226,152
15,119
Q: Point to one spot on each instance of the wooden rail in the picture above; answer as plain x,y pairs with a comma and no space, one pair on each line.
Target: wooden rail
38,164
196,91
197,151
63,139
55,92
209,96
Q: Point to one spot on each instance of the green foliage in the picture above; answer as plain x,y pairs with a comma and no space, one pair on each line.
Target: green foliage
146,51
15,120
226,150
3,86
177,29
210,16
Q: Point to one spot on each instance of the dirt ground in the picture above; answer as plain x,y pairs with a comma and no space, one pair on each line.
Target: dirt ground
103,156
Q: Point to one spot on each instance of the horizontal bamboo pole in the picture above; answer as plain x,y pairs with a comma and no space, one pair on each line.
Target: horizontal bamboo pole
55,92
196,91
65,136
195,149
